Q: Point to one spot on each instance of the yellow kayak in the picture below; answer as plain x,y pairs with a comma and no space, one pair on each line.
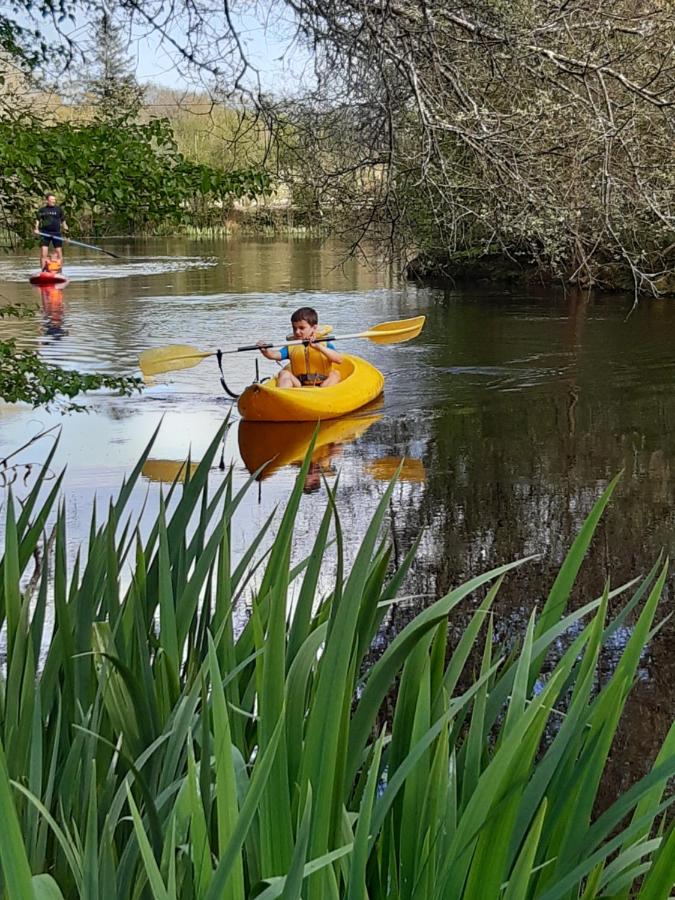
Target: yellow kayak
284,443
266,402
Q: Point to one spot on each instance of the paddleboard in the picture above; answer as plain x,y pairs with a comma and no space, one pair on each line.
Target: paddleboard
48,278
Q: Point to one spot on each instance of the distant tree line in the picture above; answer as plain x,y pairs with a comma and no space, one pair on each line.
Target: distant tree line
85,134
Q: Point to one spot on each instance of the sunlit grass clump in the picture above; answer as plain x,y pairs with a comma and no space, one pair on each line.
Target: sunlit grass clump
151,749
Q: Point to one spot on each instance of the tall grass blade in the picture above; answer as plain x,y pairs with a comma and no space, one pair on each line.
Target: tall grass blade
573,878
660,879
323,727
227,805
296,870
316,865
562,586
11,575
519,882
653,797
301,620
261,772
357,889
13,859
90,855
476,738
152,872
385,670
45,888
623,869
199,839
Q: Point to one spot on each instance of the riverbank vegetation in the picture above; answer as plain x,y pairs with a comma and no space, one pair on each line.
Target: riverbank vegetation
181,729
110,158
532,133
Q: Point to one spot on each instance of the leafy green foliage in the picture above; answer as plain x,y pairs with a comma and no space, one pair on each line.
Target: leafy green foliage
155,748
26,378
127,174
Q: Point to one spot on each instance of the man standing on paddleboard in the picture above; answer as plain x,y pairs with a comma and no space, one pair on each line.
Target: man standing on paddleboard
50,220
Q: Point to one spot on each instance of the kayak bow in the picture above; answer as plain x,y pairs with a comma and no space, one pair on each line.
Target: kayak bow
266,402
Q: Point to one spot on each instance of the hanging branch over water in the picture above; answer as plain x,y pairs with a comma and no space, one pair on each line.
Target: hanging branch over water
545,128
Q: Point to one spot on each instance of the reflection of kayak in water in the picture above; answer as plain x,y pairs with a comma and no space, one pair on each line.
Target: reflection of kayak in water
284,443
47,279
360,384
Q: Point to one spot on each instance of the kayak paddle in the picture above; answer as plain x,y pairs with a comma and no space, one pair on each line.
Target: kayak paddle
182,356
68,240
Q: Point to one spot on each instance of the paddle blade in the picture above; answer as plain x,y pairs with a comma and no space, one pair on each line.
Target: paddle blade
171,358
166,470
395,332
385,467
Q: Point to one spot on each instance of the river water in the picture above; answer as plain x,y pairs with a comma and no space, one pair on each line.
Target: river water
513,410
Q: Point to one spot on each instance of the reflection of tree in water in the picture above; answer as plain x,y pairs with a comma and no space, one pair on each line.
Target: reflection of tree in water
516,473
120,412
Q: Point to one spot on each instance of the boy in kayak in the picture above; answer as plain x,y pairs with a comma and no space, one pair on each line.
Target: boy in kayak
312,363
50,220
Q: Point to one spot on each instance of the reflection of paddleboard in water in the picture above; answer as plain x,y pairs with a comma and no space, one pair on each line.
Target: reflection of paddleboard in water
52,304
48,278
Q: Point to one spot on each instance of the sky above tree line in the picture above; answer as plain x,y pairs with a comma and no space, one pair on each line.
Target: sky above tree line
266,35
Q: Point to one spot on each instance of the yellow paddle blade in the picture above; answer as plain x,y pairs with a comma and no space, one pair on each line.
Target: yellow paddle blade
166,470
386,467
175,356
395,332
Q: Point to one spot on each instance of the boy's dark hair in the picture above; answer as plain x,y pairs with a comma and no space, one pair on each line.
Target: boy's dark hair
305,314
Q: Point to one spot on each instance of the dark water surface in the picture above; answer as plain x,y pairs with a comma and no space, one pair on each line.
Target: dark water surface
514,410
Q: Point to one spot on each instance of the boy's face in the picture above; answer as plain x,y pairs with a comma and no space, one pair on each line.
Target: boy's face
303,331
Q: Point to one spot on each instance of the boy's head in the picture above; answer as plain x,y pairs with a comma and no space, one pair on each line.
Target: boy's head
50,198
304,322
